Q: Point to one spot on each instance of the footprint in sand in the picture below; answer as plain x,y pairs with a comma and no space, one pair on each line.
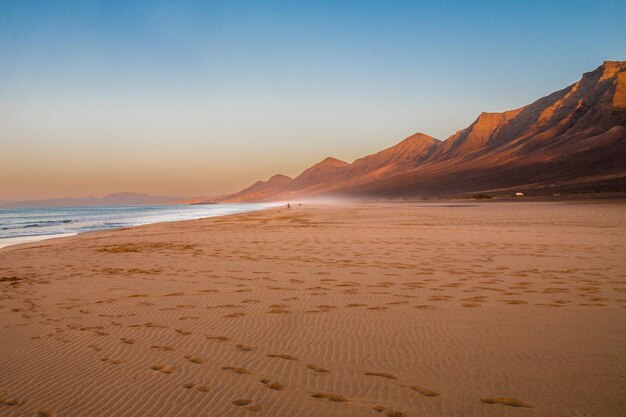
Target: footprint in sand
380,374
245,348
424,391
217,338
317,369
46,413
330,397
279,309
241,402
282,356
200,388
276,386
515,302
352,305
151,325
234,315
189,318
183,332
163,348
511,402
11,402
163,368
241,371
194,359
316,311
127,341
388,412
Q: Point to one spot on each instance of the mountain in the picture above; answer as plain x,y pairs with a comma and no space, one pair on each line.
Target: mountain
573,140
116,199
261,190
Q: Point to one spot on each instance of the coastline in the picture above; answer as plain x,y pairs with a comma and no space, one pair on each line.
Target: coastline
554,199
12,241
342,309
19,240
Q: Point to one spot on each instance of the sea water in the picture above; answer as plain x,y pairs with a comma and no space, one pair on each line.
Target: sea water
29,225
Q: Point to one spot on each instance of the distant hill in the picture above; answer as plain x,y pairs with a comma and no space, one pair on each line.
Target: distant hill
116,199
573,140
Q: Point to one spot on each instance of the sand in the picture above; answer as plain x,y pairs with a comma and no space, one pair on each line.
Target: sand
387,309
26,239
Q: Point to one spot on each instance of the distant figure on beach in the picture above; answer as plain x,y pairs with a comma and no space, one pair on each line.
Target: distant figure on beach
288,205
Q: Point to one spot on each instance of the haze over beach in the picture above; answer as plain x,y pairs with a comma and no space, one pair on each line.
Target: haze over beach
276,209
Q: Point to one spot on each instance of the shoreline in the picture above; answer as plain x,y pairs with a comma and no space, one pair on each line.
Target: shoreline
443,202
21,240
31,239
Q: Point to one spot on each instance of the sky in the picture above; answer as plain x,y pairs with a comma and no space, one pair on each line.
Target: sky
204,98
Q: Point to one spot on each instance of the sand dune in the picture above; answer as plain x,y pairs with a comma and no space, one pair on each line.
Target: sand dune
405,309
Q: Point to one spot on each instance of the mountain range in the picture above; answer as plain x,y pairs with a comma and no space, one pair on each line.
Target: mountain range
573,140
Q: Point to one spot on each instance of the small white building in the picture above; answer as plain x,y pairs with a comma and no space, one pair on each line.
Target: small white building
519,194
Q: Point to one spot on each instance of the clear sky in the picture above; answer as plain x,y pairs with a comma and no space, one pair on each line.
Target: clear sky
189,98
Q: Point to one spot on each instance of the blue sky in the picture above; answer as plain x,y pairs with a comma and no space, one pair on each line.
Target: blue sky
205,97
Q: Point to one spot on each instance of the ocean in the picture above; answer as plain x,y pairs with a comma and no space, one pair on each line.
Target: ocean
29,225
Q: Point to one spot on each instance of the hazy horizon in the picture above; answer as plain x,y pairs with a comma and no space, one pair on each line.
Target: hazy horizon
204,99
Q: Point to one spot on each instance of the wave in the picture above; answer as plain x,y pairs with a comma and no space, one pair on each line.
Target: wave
36,222
30,225
52,234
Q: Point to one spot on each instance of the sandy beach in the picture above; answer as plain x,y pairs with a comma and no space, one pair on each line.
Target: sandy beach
412,309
